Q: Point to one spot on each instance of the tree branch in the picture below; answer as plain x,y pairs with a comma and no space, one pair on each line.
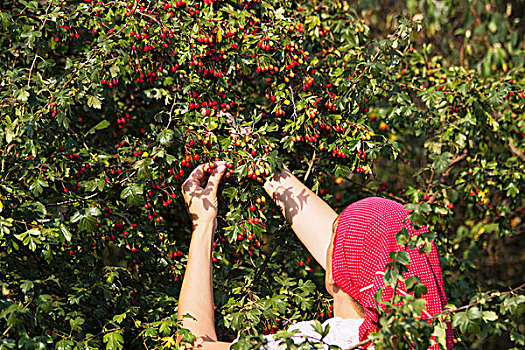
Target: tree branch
483,300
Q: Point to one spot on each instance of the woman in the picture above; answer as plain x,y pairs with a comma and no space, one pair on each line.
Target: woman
354,256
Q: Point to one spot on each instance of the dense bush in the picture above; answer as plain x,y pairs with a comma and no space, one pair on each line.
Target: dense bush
107,105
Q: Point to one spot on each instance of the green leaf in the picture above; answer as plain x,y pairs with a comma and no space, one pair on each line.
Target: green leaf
114,71
76,323
114,340
94,102
102,125
64,344
119,318
37,186
9,134
441,162
34,232
474,313
65,232
165,137
26,285
132,195
490,316
86,218
401,257
22,95
92,185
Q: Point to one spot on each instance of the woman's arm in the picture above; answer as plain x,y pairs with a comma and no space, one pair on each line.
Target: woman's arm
311,217
196,296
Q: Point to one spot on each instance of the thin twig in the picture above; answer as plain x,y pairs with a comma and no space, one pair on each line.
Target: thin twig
293,101
269,255
38,45
483,300
71,200
309,167
33,64
12,324
358,345
103,332
171,112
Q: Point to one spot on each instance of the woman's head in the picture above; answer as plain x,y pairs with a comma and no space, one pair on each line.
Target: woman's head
365,234
342,300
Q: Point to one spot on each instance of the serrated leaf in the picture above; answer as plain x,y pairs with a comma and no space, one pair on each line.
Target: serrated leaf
94,102
64,344
132,194
76,323
114,71
490,316
86,218
26,285
93,211
114,340
119,318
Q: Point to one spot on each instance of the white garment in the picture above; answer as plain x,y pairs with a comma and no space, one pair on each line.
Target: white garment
343,332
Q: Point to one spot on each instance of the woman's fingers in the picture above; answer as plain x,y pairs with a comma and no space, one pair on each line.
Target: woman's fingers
194,179
215,177
197,179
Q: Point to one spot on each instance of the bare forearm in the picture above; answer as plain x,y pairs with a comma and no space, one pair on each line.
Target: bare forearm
311,218
196,296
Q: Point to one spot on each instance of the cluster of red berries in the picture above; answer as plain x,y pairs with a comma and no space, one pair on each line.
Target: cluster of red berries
309,82
338,153
268,69
306,137
175,255
122,121
71,34
330,104
323,30
383,186
362,170
109,82
168,201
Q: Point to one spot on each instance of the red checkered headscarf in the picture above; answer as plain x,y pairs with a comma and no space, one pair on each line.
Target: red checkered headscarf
364,237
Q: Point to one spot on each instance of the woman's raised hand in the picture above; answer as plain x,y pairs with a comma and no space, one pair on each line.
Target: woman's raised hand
200,192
